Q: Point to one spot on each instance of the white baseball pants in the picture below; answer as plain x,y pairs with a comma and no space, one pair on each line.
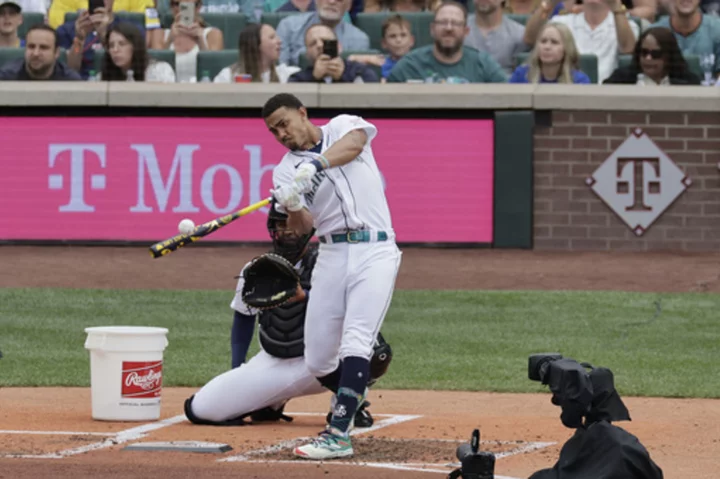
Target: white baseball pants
263,381
352,286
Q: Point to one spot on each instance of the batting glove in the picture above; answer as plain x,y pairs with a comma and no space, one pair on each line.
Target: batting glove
303,177
288,197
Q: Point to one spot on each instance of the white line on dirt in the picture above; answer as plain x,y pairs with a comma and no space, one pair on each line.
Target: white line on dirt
392,420
415,467
121,437
60,433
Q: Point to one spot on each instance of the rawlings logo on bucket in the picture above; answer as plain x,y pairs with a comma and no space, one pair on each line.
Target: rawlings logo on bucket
141,379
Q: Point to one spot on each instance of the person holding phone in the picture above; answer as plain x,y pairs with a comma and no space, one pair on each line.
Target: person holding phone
325,63
188,35
88,33
59,8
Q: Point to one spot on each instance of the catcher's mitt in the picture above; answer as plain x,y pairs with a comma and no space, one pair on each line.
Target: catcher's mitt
270,281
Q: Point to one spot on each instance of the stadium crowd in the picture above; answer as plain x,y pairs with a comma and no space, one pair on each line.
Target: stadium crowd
644,42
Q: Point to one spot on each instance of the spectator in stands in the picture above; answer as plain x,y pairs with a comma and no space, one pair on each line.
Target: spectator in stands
10,20
41,59
259,48
711,7
223,6
602,29
59,8
188,41
553,60
399,6
397,41
526,7
657,60
85,35
299,6
127,56
493,32
696,34
323,68
291,29
33,6
448,60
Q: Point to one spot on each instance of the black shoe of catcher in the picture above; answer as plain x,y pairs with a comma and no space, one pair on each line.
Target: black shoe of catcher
363,418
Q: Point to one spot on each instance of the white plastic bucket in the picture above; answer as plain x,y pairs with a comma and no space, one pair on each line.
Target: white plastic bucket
126,372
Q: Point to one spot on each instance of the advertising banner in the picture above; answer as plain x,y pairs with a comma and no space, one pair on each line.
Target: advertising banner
134,179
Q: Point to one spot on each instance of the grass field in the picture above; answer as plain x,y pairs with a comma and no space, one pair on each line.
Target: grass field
656,344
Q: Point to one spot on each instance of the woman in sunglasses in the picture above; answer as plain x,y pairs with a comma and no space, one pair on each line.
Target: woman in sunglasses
657,60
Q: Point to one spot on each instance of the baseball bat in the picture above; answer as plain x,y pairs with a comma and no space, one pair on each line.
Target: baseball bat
169,245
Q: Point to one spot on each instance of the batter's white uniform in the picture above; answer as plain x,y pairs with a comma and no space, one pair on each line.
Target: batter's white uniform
263,381
352,283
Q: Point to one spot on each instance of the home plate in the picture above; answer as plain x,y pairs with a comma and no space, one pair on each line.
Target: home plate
180,446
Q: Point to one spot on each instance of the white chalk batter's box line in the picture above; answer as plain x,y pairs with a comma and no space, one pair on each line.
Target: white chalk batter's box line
415,467
393,419
140,432
127,435
114,439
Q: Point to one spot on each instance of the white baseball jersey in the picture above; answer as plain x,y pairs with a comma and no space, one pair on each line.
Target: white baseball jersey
343,198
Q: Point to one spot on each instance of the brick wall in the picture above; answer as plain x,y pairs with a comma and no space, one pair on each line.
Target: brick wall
568,215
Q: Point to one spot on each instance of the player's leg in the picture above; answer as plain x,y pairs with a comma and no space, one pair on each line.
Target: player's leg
325,314
379,364
323,333
371,285
264,381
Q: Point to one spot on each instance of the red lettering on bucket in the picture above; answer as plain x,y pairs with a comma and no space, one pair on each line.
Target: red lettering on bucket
141,379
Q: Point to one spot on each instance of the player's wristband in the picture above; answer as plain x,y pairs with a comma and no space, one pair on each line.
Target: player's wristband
321,163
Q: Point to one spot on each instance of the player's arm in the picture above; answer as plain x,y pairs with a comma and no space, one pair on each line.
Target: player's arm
345,149
240,337
243,326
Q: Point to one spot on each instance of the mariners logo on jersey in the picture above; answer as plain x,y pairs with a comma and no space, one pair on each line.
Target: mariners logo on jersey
317,179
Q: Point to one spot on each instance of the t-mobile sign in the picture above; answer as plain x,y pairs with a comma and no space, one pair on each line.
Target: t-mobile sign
134,179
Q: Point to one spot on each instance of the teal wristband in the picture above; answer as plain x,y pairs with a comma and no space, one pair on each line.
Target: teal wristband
324,161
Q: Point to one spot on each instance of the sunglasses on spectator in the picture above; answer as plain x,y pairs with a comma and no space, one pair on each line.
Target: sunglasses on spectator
450,23
654,54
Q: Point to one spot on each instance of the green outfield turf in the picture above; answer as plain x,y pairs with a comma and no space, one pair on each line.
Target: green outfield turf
656,344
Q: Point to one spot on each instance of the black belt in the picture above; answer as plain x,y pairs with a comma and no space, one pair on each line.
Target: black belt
354,237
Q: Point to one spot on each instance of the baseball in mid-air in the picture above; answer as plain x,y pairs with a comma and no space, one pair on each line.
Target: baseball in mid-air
186,226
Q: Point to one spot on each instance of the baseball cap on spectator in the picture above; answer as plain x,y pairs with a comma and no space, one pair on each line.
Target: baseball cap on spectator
10,2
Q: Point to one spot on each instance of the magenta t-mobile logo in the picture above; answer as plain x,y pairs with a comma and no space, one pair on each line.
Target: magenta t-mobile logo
77,153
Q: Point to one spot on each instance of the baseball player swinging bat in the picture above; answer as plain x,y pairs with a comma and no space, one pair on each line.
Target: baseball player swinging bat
168,246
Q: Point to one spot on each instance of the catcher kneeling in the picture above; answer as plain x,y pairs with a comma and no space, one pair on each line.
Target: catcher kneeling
277,286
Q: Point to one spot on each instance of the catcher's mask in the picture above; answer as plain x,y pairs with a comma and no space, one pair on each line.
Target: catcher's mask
285,242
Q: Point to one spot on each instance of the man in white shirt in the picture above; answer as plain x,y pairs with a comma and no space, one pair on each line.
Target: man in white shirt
329,180
492,31
602,29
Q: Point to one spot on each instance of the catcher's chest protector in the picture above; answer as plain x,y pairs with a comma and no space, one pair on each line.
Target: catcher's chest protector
282,328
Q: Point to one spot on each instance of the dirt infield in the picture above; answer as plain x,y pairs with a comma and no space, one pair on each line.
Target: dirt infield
50,433
197,267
